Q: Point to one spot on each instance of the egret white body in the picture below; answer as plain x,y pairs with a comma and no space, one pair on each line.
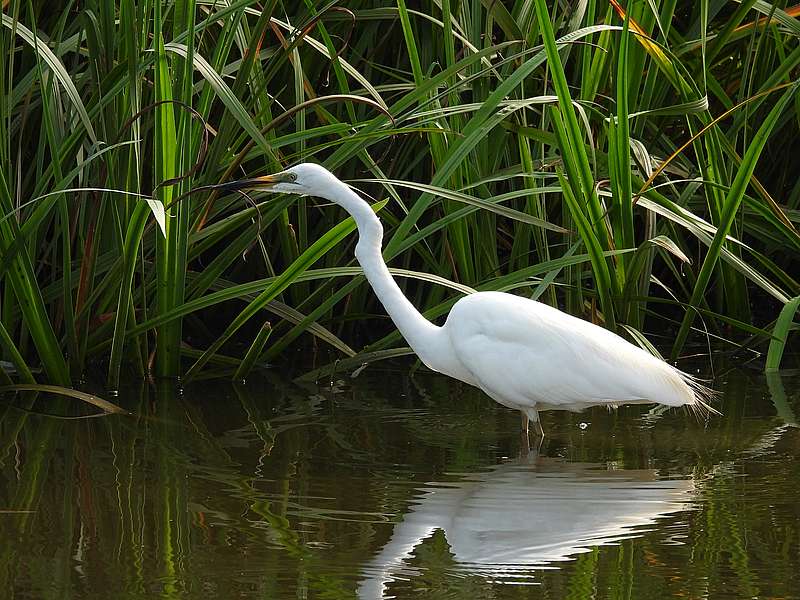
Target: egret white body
524,354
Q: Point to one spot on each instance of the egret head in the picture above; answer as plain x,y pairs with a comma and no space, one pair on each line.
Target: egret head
306,178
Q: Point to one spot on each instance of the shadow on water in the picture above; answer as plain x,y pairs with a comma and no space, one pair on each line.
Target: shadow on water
407,486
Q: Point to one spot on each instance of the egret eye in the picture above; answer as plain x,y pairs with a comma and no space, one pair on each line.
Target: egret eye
282,177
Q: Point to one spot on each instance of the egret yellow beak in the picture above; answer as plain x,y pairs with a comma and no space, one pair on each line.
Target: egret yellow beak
257,183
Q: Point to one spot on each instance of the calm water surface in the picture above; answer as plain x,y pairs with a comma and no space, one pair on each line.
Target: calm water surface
399,486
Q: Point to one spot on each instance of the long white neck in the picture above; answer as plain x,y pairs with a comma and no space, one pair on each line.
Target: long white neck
416,329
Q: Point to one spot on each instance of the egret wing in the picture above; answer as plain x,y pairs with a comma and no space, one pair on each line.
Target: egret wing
526,353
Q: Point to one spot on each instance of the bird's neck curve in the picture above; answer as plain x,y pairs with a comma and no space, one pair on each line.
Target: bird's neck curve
420,333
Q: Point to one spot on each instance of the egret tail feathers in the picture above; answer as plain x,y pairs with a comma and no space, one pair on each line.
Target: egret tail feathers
704,396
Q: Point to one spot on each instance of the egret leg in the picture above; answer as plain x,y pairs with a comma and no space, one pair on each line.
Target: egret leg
526,440
538,429
533,415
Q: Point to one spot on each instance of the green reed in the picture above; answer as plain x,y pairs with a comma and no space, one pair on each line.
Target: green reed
631,163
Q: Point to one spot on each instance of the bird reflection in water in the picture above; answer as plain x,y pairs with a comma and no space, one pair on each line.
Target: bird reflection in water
524,515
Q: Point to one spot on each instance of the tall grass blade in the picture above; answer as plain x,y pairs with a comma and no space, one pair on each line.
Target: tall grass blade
253,352
780,334
730,209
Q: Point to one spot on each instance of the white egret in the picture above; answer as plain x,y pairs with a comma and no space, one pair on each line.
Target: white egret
524,354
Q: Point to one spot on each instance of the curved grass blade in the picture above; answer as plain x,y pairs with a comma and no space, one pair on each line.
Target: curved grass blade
472,200
311,325
704,232
57,67
642,341
245,291
780,334
105,405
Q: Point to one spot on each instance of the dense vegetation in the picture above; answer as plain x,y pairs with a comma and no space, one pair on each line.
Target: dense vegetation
634,163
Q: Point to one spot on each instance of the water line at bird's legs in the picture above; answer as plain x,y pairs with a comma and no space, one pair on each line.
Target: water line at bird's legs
525,447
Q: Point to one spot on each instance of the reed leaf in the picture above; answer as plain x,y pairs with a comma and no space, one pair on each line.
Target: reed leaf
780,334
731,208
